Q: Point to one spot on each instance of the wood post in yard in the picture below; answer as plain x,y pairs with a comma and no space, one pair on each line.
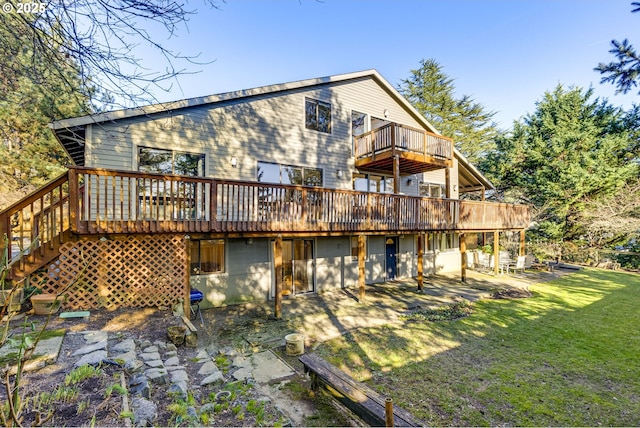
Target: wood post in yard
463,257
388,412
420,260
522,234
277,256
496,252
187,285
361,267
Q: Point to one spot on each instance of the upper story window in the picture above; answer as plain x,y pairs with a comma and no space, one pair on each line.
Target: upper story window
317,115
170,162
289,174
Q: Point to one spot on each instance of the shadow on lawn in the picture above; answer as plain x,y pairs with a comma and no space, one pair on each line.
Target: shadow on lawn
562,357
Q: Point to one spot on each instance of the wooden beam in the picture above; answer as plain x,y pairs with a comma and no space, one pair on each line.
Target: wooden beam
522,249
420,260
496,252
187,284
361,267
447,178
463,257
396,174
277,259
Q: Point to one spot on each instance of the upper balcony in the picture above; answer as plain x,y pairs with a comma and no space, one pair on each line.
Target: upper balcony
416,150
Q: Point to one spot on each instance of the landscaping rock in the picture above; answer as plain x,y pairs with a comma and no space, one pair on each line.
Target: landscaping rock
144,411
102,344
92,359
208,368
173,361
124,346
212,378
158,375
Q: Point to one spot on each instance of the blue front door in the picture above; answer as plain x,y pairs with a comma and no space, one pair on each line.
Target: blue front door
392,250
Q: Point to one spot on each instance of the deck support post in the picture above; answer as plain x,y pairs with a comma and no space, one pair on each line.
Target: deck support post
496,252
447,180
522,234
277,259
361,267
463,257
420,260
187,286
396,174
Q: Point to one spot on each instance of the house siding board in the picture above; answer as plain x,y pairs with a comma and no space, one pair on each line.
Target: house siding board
247,276
331,254
267,128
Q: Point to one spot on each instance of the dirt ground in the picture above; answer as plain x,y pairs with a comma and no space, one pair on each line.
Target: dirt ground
246,329
93,405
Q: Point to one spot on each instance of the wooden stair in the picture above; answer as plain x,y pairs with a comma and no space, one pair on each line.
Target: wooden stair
33,229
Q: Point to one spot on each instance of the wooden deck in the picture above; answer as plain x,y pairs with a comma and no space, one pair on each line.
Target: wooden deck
416,150
87,201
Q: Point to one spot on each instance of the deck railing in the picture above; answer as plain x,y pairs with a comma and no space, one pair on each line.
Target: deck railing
397,137
94,201
36,224
132,202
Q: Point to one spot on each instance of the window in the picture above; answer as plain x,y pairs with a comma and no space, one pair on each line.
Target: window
289,174
372,183
317,115
161,199
170,162
432,190
359,123
207,256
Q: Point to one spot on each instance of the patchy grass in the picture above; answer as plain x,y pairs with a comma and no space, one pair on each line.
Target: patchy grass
452,311
566,356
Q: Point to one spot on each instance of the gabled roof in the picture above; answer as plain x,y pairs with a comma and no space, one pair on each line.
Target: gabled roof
71,132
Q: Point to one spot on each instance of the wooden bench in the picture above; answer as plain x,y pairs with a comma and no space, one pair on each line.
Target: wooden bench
357,397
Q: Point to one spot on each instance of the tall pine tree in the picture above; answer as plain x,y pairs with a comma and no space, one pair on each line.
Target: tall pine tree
432,93
31,96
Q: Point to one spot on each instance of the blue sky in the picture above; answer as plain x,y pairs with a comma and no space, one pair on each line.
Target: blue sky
505,54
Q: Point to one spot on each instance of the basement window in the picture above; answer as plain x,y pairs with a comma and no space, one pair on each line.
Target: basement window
207,256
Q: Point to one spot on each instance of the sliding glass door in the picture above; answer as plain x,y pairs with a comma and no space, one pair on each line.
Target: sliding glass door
298,268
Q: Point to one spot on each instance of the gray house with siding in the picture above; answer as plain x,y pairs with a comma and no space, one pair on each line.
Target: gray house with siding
287,189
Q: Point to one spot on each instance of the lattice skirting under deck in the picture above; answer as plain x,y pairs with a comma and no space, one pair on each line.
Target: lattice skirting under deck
132,271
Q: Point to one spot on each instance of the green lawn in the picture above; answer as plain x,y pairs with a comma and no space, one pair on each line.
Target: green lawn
569,355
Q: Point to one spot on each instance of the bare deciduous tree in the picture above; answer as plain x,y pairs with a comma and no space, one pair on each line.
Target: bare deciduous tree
611,218
98,39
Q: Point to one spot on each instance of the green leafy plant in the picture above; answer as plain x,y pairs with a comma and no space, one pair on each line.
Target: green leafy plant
81,373
115,387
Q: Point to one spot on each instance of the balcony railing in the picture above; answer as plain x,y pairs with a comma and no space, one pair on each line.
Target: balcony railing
420,150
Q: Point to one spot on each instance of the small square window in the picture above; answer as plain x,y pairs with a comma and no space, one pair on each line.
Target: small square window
207,256
317,115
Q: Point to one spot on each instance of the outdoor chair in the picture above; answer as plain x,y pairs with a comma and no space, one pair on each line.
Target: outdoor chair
520,264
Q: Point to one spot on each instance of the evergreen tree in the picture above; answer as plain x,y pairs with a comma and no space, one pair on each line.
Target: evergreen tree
570,149
31,96
432,93
624,72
